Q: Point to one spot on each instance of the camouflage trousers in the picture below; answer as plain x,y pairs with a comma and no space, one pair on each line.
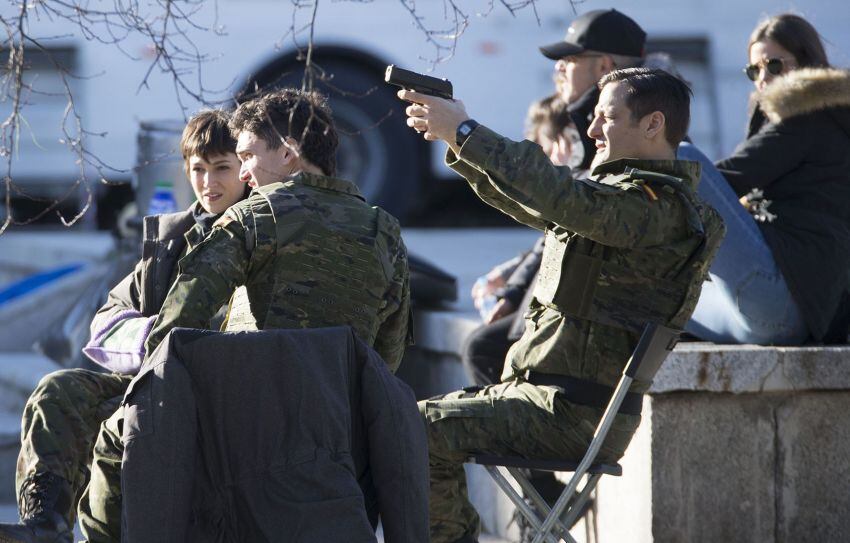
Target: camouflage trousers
60,423
100,506
513,418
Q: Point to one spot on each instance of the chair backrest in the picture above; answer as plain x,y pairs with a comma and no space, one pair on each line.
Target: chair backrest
655,344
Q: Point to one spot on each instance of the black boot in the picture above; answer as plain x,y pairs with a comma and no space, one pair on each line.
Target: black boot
44,503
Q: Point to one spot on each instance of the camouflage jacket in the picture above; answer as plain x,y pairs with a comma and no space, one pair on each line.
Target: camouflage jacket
623,248
120,326
310,253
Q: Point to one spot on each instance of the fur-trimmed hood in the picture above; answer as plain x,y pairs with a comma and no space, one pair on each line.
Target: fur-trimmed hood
805,91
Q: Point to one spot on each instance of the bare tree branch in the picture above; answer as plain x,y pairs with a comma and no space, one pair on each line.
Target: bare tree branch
168,28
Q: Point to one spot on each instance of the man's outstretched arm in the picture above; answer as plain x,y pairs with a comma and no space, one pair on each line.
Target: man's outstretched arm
521,180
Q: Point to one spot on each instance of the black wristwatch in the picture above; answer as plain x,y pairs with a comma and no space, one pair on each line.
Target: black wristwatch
464,129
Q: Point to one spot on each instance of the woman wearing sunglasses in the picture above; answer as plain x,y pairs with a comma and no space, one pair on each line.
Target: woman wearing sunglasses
784,277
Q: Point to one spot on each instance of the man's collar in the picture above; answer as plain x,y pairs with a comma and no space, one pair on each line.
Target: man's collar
687,170
585,102
325,182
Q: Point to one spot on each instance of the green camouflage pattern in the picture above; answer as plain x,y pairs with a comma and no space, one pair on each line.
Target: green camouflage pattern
611,218
511,419
63,414
100,504
310,253
97,502
304,253
166,239
60,423
609,241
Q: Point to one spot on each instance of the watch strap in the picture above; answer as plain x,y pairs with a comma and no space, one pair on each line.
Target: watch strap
464,129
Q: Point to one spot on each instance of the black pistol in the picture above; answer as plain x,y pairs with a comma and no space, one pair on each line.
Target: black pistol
441,88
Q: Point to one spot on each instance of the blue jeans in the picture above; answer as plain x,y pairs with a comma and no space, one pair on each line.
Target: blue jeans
747,299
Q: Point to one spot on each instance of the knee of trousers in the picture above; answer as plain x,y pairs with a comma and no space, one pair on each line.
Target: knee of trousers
57,384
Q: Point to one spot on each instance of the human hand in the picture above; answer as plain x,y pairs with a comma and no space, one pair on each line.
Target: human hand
561,151
502,308
485,286
436,118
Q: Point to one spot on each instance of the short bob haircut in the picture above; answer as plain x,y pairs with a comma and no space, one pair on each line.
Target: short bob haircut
207,135
649,90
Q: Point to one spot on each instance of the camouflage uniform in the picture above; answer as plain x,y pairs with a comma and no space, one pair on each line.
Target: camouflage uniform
621,249
63,414
309,253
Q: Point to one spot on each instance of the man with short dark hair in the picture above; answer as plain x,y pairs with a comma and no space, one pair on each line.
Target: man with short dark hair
305,248
629,246
650,101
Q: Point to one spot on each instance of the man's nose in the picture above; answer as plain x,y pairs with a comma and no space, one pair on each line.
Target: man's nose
592,130
561,65
244,174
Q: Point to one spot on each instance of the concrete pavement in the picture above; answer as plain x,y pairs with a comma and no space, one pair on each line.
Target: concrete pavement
9,513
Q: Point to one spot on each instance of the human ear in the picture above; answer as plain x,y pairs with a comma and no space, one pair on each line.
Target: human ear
653,124
290,149
604,65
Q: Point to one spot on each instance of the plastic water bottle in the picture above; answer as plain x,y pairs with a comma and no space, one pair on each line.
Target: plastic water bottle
488,301
162,200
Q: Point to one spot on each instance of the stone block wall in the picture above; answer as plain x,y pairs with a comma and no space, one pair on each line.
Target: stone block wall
737,444
751,467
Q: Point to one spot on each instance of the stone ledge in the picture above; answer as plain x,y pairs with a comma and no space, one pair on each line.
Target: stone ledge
55,248
441,331
693,366
740,369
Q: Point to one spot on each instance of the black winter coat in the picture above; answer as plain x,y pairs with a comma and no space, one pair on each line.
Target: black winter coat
801,160
581,113
278,435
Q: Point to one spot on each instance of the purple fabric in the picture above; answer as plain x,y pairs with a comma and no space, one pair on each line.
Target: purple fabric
126,359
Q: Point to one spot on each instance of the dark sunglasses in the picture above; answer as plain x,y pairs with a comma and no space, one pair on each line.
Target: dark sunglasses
774,66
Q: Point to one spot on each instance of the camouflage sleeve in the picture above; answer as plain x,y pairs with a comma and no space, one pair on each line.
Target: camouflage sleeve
524,177
207,277
396,329
481,183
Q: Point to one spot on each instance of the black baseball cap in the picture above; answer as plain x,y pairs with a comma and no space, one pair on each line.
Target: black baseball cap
601,30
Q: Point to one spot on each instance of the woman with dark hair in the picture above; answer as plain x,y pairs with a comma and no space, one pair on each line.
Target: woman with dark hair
65,411
784,276
777,46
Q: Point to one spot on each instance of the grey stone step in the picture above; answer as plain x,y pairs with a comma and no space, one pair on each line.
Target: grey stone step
55,248
28,318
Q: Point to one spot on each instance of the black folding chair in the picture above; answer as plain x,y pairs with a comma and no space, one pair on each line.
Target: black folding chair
552,523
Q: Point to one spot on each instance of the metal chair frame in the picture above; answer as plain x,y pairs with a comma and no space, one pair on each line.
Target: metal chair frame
552,523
